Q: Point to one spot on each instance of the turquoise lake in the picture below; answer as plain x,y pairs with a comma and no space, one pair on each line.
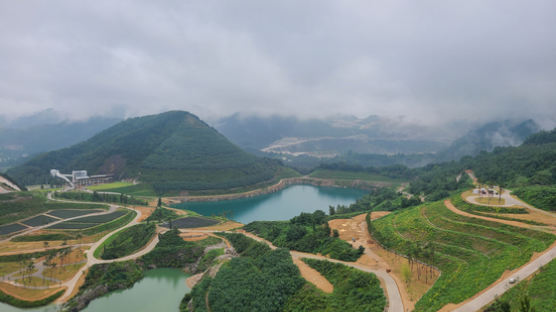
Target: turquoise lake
281,205
160,290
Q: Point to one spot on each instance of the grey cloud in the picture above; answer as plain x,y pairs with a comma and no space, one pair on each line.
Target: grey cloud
428,60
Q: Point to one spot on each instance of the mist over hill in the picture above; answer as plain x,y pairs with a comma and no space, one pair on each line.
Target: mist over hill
45,131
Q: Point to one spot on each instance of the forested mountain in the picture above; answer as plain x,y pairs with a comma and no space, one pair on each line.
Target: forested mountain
171,151
36,134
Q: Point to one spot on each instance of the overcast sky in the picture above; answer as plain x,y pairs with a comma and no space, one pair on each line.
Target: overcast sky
427,60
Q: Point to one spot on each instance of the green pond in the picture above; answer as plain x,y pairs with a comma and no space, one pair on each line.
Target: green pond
160,290
281,205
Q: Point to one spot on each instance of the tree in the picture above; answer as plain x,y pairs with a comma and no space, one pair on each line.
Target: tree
406,273
336,233
159,204
331,210
525,305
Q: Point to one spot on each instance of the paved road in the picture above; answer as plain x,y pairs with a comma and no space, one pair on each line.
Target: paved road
501,287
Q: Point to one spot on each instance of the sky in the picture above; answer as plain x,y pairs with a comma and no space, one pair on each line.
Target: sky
429,61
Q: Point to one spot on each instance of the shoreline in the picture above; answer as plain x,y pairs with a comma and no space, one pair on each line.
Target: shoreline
282,184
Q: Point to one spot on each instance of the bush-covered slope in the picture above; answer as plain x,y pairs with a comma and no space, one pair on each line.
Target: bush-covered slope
170,151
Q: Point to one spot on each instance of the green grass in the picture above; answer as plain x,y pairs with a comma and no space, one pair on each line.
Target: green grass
109,186
471,253
125,242
352,175
141,189
541,290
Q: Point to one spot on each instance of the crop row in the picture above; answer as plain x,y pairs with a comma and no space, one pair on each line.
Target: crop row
71,213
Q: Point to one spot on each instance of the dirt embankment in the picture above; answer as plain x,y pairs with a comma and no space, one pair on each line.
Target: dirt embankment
275,188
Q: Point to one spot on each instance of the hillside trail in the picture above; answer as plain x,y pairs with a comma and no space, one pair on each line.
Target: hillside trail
455,210
391,289
502,285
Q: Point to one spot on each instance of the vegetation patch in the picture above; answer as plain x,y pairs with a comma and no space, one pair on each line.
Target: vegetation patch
191,222
109,186
173,252
39,220
43,237
71,213
308,232
126,241
471,253
162,214
28,304
354,291
101,197
540,196
259,280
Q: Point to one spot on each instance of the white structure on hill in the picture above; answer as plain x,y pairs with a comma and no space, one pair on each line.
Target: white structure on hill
79,178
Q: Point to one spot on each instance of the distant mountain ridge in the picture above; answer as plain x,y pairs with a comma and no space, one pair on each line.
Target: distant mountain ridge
172,151
27,136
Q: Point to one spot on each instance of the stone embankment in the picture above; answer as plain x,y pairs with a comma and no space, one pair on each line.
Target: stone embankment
282,184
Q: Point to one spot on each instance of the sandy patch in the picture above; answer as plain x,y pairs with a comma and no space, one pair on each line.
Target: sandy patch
313,276
194,279
226,226
193,237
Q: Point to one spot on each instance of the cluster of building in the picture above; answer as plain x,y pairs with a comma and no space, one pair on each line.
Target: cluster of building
80,178
487,191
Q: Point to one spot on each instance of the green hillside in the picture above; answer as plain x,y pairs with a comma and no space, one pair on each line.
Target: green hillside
471,253
169,152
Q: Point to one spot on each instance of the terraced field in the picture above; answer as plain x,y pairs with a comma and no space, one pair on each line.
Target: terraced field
88,222
471,253
11,228
39,220
492,212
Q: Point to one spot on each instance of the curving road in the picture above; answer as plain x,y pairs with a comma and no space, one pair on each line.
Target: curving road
501,287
